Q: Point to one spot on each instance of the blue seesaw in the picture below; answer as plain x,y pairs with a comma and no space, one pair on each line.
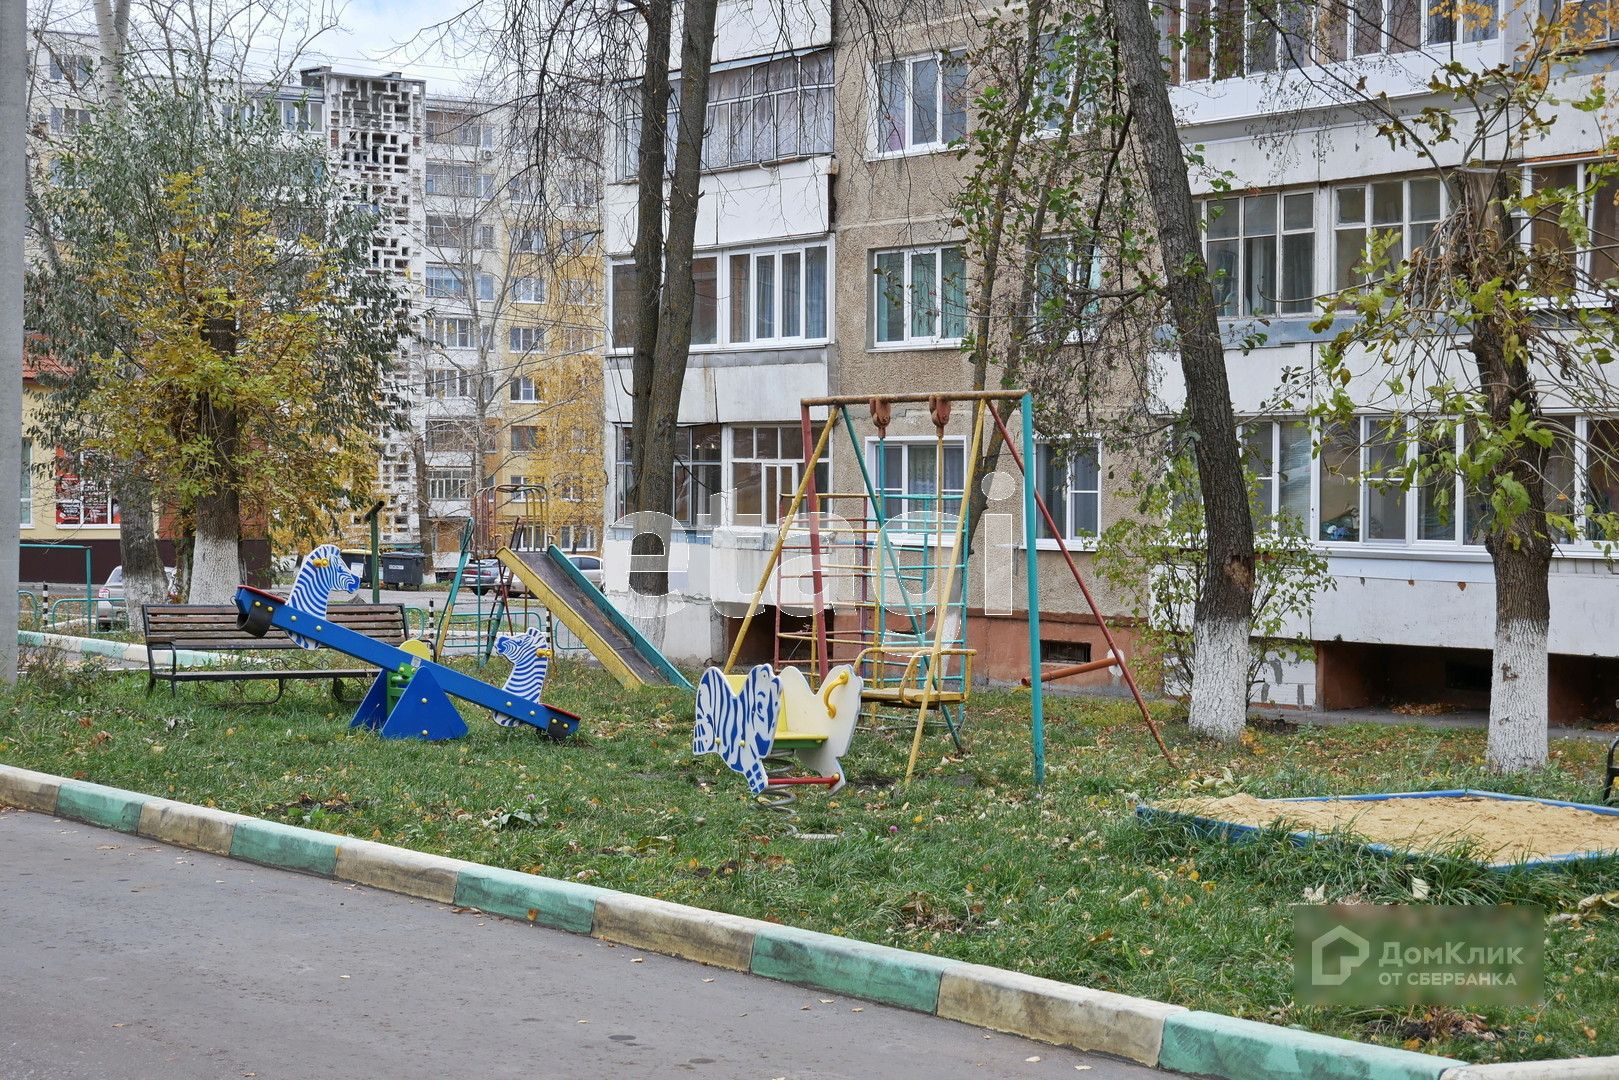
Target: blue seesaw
423,709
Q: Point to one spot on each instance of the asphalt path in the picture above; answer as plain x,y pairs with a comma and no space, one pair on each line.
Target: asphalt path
127,958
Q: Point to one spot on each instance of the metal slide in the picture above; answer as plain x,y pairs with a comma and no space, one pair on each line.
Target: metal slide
581,607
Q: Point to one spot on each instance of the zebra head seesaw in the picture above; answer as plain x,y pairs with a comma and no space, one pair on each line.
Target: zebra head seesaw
320,574
745,718
530,654
410,697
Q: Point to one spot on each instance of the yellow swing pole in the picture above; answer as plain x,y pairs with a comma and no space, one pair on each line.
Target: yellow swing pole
930,677
781,541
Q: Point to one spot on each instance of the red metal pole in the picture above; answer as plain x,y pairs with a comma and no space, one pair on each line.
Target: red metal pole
818,612
1079,579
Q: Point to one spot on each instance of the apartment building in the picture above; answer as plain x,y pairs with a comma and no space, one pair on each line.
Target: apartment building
507,432
1412,616
502,272
763,331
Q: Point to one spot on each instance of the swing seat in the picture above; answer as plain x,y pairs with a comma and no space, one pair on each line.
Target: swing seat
911,689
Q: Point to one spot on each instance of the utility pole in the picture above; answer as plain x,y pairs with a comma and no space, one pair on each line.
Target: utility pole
13,132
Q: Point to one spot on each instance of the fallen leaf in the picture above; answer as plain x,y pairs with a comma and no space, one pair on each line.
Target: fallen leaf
708,980
827,1001
1035,1058
858,1008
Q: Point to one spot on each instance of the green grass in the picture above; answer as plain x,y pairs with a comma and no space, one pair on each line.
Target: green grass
969,862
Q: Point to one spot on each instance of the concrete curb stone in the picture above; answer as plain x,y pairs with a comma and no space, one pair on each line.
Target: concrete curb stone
1602,1068
29,790
1055,1012
1208,1044
1151,1032
659,926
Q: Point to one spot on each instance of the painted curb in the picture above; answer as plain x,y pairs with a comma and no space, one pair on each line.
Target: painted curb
719,940
846,966
1151,1032
1055,1012
1207,1044
29,790
1602,1068
117,650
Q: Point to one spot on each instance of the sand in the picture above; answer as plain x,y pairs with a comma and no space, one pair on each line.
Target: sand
1497,830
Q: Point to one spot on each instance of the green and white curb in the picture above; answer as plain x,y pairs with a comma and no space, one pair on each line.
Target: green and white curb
117,650
1150,1032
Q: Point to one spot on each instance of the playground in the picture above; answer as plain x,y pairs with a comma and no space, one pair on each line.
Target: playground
967,862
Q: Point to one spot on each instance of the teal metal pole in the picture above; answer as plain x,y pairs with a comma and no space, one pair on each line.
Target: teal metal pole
1037,697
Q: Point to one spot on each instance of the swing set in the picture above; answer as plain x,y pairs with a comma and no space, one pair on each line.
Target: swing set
884,570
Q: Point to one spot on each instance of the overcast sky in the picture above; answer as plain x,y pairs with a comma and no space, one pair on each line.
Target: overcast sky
381,35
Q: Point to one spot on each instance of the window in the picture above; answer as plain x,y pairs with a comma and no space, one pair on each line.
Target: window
26,508
528,290
578,290
458,129
1070,484
759,112
301,115
450,333
766,466
529,240
921,102
576,239
1261,253
579,339
769,296
1066,280
81,498
1558,264
1279,455
525,438
453,436
910,477
76,68
1404,211
919,296
1339,469
524,389
454,383
525,339
1229,39
697,473
486,286
460,180
444,283
458,232
68,121
449,485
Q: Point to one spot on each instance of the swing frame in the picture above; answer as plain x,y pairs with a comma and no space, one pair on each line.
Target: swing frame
930,695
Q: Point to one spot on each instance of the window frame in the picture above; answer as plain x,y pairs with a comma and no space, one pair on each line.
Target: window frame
1044,450
946,62
725,313
908,340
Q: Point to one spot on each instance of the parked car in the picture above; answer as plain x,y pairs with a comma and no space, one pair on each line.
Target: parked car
114,590
590,566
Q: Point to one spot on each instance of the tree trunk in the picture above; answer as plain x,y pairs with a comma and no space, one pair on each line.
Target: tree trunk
427,535
650,165
1224,615
657,437
216,562
1520,549
144,580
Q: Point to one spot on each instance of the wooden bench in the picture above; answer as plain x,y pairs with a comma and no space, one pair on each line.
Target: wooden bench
212,628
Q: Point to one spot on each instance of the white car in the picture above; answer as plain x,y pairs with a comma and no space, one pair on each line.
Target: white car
590,566
114,590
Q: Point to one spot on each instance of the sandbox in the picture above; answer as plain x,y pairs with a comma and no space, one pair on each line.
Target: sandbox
1499,831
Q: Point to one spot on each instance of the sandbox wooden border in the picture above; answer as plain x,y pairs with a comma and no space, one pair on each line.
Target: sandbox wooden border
1237,832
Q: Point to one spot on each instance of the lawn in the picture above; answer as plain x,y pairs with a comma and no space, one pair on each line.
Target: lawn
968,862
